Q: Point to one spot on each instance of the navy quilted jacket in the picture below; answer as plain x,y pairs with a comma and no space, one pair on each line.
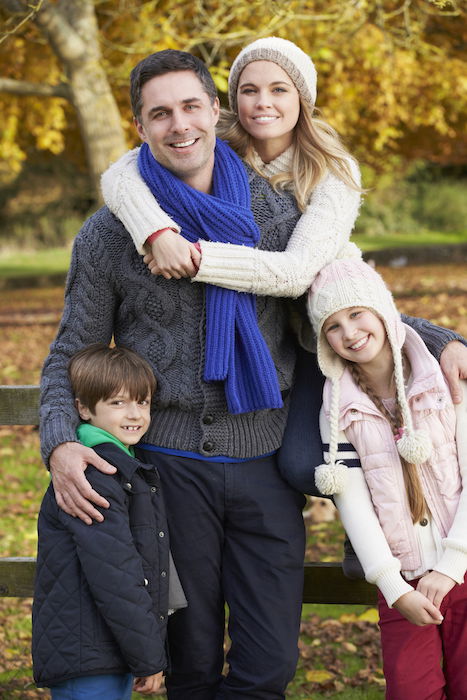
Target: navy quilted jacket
101,590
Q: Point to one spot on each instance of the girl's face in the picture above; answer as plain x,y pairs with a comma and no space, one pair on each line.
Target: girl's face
268,107
357,334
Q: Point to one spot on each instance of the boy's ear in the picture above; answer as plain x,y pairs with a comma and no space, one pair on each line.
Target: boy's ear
84,412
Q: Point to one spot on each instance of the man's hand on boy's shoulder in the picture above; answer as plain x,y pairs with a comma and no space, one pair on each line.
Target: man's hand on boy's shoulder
73,492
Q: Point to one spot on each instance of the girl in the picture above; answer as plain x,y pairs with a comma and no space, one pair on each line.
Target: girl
405,511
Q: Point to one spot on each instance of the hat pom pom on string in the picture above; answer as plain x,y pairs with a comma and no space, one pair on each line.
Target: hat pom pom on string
331,478
414,446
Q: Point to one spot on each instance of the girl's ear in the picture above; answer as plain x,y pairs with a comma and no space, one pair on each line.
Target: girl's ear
84,412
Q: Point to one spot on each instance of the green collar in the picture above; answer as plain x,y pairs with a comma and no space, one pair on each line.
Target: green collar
90,436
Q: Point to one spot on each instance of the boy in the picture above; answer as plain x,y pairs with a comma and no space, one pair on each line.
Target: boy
101,593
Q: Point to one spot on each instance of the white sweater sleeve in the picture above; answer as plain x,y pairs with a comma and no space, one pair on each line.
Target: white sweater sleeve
363,529
130,199
453,562
321,234
366,535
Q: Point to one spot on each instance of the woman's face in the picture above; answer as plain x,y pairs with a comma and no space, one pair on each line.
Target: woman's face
268,107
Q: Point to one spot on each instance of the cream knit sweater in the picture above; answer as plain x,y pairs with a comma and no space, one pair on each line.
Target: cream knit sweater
321,234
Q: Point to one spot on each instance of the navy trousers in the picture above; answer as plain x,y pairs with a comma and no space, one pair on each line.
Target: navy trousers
237,538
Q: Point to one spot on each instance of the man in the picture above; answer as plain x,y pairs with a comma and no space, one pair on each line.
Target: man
237,533
236,528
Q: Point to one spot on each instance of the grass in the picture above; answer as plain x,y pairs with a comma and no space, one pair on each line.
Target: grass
396,240
34,262
332,611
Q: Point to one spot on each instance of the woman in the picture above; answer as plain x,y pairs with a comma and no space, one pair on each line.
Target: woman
272,93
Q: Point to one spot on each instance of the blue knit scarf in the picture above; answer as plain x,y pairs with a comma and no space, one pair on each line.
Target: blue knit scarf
236,351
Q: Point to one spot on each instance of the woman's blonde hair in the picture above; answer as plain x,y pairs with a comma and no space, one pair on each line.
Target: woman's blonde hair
318,150
413,486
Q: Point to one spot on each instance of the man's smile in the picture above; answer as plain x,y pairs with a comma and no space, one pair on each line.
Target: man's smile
183,144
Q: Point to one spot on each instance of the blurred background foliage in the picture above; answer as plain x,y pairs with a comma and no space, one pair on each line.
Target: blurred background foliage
391,79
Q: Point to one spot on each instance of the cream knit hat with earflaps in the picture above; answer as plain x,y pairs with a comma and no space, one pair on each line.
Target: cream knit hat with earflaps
296,63
340,285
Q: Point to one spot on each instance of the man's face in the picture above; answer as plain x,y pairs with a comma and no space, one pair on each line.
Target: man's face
178,122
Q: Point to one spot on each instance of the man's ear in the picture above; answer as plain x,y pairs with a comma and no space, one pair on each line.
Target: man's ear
216,107
84,412
140,129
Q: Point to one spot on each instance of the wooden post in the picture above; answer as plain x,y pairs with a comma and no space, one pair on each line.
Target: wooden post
19,405
17,576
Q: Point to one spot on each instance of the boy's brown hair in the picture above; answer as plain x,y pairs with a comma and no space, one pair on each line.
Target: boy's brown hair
98,372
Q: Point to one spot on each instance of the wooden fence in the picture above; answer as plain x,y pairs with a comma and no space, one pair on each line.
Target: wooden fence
324,582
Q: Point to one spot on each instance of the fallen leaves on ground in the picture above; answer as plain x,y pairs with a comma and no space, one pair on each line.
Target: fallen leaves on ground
339,653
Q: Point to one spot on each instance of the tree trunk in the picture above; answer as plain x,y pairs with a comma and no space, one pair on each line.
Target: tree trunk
99,119
70,27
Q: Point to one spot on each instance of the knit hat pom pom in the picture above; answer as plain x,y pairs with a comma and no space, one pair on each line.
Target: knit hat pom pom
331,478
414,446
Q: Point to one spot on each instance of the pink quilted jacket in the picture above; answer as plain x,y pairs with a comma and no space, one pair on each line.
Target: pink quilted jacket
371,435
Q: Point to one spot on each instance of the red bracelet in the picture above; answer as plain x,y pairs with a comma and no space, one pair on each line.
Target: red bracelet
153,236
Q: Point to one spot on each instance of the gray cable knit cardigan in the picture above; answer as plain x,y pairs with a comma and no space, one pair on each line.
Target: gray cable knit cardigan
110,293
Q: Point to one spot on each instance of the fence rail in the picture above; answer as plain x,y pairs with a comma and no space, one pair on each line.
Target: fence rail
324,582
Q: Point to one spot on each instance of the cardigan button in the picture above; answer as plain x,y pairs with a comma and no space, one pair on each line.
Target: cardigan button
163,574
154,489
208,446
129,486
208,419
161,534
423,522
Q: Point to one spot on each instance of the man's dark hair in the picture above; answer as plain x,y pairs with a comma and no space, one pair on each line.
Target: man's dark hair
164,62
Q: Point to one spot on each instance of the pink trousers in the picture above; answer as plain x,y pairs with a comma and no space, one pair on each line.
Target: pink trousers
426,663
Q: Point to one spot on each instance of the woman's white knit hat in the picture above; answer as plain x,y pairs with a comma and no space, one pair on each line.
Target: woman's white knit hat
341,285
296,63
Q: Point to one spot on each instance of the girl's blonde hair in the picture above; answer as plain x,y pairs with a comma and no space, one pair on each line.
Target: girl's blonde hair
413,486
318,150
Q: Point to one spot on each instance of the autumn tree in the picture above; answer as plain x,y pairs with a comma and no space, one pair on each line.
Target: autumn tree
391,72
77,75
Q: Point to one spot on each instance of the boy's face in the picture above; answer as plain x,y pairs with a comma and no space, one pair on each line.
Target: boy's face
125,418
